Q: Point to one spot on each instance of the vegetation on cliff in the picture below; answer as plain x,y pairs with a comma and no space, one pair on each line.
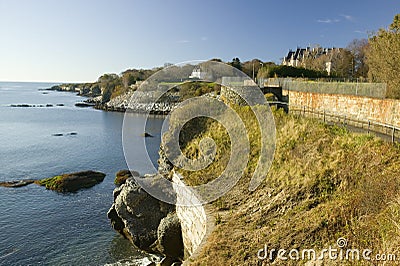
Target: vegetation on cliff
122,175
194,89
289,71
325,183
72,182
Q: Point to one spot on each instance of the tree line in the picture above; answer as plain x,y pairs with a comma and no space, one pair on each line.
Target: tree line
375,59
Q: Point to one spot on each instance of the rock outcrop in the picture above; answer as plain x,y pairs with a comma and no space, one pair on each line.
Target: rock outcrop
18,183
147,135
84,104
25,105
164,165
147,222
64,134
85,89
72,182
122,175
169,234
140,103
62,183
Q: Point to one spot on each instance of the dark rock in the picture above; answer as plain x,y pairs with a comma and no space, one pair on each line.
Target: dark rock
83,104
83,89
170,242
18,183
59,104
45,93
95,90
164,165
147,135
136,215
72,134
116,221
57,134
55,88
49,105
167,261
72,182
22,105
123,175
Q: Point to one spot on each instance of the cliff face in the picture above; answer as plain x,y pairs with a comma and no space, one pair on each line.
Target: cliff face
138,101
136,215
149,224
134,99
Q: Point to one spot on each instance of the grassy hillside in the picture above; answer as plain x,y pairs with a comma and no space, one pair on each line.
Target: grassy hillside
325,183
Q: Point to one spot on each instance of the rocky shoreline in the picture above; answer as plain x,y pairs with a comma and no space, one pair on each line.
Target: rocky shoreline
120,103
137,103
149,224
85,89
25,105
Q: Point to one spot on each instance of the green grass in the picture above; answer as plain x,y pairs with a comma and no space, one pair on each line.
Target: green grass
324,183
72,182
52,183
170,83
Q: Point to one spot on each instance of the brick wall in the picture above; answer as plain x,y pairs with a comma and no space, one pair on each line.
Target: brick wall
361,108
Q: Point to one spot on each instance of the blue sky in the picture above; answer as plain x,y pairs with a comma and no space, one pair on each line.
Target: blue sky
78,40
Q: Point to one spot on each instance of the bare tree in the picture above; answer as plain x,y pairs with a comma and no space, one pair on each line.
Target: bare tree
358,48
342,63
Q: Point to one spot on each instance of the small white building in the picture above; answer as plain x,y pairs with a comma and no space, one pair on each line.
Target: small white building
197,74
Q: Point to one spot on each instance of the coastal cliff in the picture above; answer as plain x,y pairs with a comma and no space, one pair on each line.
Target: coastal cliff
338,190
130,98
110,95
136,101
148,223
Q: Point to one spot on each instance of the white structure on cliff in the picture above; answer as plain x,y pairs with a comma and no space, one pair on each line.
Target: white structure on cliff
197,73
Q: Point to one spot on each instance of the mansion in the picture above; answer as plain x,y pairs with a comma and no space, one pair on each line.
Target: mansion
300,56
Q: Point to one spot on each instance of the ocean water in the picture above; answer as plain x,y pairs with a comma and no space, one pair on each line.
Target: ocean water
43,227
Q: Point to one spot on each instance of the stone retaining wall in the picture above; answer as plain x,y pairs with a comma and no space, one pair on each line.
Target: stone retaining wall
194,217
385,111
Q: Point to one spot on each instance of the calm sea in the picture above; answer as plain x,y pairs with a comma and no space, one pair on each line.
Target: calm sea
42,227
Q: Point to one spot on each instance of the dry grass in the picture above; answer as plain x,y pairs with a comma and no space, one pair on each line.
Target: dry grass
199,128
324,183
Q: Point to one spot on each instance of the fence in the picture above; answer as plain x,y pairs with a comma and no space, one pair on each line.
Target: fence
373,90
385,131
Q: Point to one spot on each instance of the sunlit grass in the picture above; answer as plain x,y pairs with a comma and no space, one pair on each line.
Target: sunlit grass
324,183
